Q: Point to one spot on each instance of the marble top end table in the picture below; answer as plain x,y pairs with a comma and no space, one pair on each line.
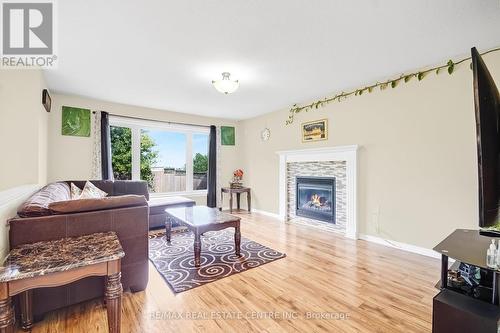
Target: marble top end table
54,263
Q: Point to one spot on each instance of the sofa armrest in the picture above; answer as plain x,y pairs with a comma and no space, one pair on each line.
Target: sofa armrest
126,222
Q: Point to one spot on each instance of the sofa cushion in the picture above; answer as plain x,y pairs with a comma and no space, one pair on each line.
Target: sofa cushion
94,204
75,191
90,191
38,203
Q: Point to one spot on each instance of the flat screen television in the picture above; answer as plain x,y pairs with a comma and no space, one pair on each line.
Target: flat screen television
487,110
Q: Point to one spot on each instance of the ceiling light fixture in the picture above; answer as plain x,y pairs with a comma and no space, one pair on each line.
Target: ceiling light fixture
226,85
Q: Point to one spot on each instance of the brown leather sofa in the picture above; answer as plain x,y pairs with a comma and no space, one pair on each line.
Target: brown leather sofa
130,222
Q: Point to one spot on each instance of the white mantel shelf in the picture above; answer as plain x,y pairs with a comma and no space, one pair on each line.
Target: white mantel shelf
338,153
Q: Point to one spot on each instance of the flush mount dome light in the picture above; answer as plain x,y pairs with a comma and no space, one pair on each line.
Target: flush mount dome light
226,85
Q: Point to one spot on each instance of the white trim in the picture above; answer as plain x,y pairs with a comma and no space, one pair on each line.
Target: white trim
338,153
136,125
155,124
266,213
401,246
189,161
136,153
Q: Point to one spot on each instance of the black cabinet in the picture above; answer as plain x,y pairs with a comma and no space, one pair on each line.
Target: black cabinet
457,313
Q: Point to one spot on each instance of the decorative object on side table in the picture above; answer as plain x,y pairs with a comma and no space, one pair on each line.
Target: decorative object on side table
75,121
237,177
315,130
46,100
59,262
227,136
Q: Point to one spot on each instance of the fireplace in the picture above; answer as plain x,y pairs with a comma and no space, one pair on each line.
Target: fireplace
315,198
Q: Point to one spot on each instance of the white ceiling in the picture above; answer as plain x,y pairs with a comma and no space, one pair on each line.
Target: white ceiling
164,54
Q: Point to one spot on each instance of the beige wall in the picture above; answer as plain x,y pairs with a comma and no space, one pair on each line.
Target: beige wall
23,128
23,137
417,162
71,157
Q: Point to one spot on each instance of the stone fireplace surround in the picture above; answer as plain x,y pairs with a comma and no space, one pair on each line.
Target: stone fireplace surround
327,161
335,169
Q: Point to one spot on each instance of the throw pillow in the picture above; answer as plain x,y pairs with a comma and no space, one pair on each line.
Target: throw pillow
38,203
76,192
90,191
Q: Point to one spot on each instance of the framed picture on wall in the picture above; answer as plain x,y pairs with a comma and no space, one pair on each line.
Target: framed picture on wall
227,136
315,130
75,121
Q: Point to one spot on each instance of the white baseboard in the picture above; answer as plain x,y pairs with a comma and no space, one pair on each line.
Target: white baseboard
401,246
263,212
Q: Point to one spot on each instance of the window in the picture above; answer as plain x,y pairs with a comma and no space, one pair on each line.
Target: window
171,158
121,152
200,161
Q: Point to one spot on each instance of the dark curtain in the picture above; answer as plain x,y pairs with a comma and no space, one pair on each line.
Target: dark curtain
107,168
212,168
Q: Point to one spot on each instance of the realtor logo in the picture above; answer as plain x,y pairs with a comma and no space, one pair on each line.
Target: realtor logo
28,34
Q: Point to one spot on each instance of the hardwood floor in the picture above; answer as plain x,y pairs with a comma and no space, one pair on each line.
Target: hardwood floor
326,283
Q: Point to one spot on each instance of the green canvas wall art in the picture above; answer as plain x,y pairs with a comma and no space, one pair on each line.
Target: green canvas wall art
227,136
75,121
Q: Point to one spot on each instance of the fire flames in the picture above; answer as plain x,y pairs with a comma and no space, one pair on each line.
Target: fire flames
316,200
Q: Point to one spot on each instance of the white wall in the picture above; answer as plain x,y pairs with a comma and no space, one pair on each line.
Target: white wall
417,162
23,128
23,137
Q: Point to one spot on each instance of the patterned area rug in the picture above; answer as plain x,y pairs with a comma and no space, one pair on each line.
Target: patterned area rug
175,261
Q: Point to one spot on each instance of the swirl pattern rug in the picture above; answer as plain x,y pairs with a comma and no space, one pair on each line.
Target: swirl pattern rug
175,261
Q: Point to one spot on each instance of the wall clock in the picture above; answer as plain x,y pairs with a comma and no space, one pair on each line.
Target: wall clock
265,134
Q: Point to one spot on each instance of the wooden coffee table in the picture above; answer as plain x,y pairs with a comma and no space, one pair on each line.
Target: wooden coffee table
200,219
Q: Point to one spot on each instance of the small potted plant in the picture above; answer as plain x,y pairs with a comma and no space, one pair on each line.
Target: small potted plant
237,177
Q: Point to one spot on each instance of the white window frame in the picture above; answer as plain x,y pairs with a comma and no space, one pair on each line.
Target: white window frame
136,125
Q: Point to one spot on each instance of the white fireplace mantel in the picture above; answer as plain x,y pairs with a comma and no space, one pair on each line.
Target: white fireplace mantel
338,153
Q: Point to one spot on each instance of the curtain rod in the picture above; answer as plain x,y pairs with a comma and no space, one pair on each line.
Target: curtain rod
167,122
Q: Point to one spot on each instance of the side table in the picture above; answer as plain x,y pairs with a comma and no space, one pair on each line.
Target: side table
238,192
59,262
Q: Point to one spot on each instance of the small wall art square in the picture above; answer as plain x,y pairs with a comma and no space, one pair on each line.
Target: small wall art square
75,121
315,130
227,136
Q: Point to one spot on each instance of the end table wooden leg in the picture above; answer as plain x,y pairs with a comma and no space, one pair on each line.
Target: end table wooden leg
237,240
168,227
113,296
7,319
197,249
221,200
238,196
249,201
26,310
230,202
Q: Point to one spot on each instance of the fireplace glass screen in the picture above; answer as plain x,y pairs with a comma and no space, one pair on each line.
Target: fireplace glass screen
316,198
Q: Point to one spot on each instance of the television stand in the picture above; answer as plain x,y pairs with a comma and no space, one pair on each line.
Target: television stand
456,312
